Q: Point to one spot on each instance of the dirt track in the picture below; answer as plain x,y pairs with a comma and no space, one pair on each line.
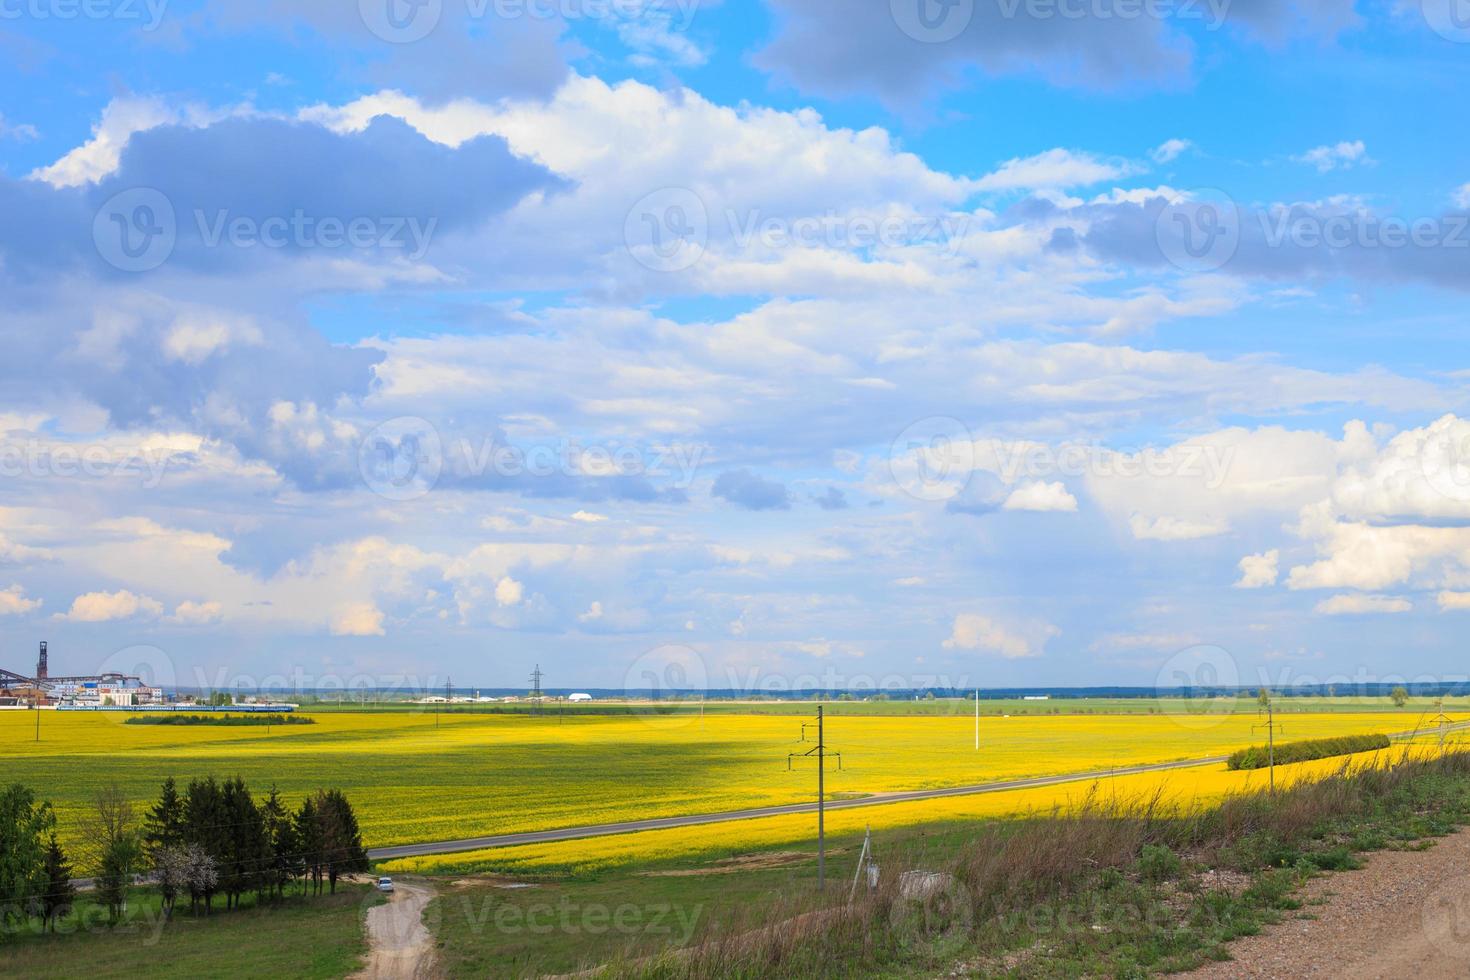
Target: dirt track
402,948
1406,914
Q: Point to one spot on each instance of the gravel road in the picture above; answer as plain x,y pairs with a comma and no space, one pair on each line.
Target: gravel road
1405,915
401,947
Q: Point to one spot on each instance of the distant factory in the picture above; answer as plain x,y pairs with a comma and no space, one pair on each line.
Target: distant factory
90,691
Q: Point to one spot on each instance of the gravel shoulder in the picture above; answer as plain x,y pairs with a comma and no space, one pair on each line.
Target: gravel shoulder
1405,914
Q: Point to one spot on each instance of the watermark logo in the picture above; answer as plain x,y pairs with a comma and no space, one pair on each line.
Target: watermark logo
149,664
932,21
1445,917
401,459
667,673
1444,458
932,912
1191,685
401,21
1450,19
667,230
933,458
135,230
1199,232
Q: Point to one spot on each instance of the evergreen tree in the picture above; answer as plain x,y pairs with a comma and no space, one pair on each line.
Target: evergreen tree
342,850
164,824
60,892
309,842
281,843
206,827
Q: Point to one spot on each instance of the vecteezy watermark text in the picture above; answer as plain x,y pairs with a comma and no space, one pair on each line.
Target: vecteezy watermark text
149,13
670,229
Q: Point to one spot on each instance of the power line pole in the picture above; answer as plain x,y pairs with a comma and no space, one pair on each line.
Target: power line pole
820,751
1270,727
536,676
977,719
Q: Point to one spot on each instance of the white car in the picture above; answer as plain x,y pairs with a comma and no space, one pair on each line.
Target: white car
385,884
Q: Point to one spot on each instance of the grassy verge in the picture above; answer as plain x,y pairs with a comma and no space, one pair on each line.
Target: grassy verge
1109,888
303,937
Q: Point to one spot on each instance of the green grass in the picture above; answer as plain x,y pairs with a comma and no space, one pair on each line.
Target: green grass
304,938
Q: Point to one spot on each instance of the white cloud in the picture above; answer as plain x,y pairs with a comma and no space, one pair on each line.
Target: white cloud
1357,603
593,612
1330,157
1169,150
123,117
1453,601
1461,196
101,607
972,631
198,613
1168,528
587,517
508,591
358,619
1258,571
23,132
1040,497
1053,169
13,601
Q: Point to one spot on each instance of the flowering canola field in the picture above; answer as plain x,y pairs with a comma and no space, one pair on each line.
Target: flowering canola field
414,778
1177,790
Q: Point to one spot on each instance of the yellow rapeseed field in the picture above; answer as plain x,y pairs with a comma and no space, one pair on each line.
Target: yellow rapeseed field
1179,790
415,778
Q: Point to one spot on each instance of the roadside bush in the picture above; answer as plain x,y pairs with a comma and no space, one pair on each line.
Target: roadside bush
1259,756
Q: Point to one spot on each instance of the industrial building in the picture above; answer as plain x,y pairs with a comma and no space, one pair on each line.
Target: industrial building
84,691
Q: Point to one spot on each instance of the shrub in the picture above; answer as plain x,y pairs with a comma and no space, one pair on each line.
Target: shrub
1259,756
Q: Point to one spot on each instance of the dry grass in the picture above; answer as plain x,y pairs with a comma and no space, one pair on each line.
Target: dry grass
1010,866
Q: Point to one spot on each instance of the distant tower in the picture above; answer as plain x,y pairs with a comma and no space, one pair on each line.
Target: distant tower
536,689
41,663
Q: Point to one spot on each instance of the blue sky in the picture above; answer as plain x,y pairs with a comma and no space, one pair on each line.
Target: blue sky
979,343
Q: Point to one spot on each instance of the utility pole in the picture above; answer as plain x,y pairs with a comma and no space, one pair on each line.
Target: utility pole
1270,726
1443,720
36,704
977,719
820,751
536,676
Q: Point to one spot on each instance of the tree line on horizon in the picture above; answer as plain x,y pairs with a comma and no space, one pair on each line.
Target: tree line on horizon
211,839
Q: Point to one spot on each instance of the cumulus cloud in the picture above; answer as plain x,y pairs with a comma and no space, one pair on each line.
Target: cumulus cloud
198,613
594,611
1040,496
508,592
973,631
13,601
1258,571
833,47
1358,604
1453,601
101,607
358,619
